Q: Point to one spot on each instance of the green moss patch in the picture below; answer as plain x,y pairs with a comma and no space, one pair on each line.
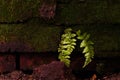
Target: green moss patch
14,10
88,12
41,36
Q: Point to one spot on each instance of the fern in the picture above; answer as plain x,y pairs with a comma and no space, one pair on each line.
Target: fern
67,45
87,44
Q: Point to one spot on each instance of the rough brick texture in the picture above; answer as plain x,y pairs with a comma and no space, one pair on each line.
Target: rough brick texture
87,12
21,10
30,61
14,46
52,71
7,63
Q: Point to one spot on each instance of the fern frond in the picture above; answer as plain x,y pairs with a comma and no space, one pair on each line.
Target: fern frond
88,50
66,46
83,44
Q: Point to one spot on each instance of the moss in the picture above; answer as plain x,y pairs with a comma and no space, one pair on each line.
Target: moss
42,37
88,12
13,10
113,13
105,37
9,32
69,13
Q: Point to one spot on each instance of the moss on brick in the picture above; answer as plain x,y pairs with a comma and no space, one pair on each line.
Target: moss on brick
42,37
18,10
105,37
88,12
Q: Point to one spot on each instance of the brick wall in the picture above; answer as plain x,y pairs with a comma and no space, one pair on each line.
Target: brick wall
39,24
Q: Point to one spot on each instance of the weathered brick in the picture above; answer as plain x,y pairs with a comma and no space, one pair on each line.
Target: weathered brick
105,38
30,61
7,63
52,71
41,37
99,11
15,10
21,10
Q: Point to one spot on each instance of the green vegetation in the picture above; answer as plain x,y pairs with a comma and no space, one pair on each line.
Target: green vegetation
41,37
18,10
98,11
68,42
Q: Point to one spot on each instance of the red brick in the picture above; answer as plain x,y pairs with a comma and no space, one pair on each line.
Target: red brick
32,61
7,63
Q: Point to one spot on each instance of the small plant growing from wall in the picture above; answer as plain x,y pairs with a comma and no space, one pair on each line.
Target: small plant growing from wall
68,43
